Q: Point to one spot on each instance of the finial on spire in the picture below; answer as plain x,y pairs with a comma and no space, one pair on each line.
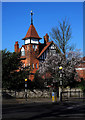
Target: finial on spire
31,17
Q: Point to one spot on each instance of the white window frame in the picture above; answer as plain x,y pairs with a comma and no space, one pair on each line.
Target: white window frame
33,65
22,51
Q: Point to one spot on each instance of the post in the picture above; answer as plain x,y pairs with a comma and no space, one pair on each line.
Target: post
26,89
61,83
79,94
53,97
70,91
26,94
60,93
61,96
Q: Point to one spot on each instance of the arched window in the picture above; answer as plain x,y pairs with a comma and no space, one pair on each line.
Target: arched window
34,47
33,65
22,51
36,66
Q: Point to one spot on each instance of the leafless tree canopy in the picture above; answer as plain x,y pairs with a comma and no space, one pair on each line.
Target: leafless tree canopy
62,35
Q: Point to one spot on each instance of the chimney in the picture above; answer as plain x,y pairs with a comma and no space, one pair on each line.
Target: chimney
16,46
46,38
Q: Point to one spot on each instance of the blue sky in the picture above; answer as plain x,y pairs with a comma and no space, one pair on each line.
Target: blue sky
16,20
84,28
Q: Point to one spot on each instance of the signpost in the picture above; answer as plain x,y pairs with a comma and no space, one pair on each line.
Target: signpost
26,89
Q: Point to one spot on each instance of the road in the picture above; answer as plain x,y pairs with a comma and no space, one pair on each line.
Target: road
44,111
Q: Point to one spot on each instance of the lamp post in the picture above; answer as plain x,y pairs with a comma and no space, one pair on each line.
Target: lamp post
61,83
26,89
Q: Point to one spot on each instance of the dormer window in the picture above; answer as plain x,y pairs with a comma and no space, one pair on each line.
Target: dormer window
22,51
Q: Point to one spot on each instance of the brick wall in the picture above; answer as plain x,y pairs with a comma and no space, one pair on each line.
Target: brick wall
29,58
81,70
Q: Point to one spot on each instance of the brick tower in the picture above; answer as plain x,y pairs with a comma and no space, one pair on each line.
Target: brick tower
30,49
33,52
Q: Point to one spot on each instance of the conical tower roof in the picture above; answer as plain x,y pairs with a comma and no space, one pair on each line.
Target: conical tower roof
31,33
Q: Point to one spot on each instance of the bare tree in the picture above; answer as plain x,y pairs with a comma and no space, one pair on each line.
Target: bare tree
62,35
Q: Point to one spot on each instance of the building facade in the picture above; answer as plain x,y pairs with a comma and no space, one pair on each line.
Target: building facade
81,69
33,52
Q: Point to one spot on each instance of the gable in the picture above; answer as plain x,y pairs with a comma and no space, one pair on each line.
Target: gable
49,47
45,48
52,47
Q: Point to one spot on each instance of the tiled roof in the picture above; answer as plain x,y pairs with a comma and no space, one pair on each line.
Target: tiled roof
47,45
31,33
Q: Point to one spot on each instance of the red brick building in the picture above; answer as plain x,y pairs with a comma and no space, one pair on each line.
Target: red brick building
81,69
33,52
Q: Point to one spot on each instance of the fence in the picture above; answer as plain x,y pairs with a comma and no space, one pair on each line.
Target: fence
21,94
67,94
72,95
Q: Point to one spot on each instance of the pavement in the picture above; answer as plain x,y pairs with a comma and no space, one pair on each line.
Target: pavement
29,100
36,100
42,109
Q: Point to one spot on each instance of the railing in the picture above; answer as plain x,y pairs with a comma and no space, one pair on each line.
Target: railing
72,95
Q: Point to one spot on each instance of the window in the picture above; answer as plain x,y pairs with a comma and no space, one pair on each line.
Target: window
34,47
33,65
36,66
24,65
22,51
53,52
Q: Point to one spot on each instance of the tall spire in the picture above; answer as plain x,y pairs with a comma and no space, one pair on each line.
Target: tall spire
31,33
31,17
